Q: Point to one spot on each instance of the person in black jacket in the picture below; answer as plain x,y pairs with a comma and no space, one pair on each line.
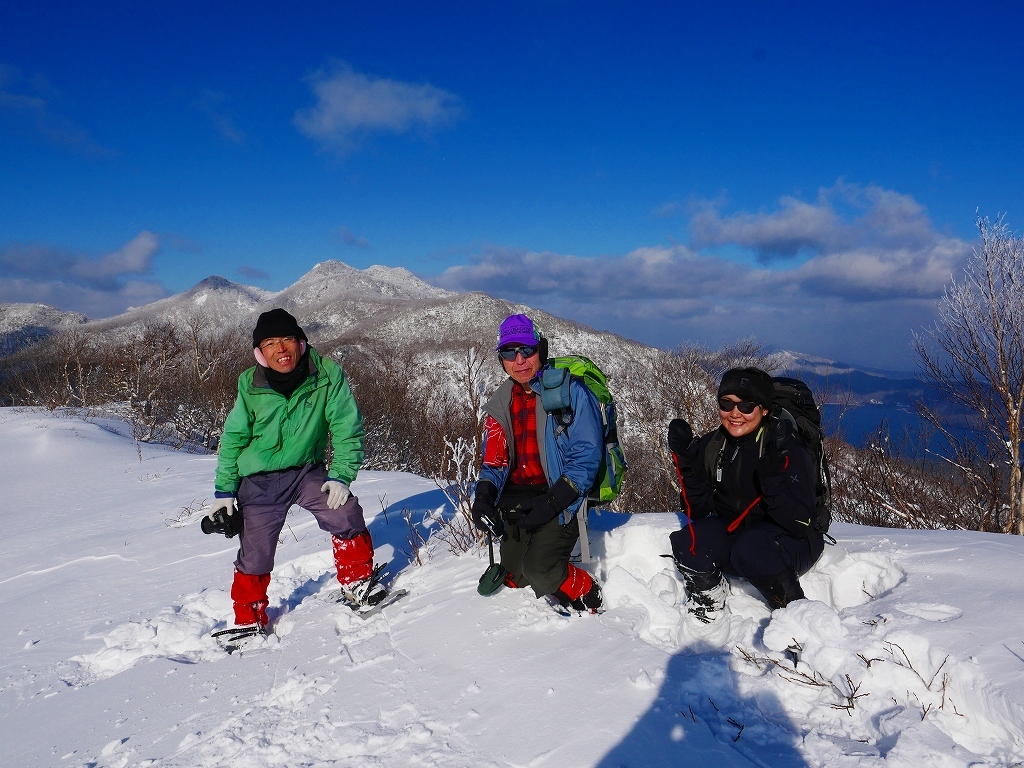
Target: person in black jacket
748,491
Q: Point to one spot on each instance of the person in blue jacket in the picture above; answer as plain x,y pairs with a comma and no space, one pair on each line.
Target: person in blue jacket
536,472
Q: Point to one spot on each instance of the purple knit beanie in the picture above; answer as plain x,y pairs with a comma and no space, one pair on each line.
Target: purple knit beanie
517,329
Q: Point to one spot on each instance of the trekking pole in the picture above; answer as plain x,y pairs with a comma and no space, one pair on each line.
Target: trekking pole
584,538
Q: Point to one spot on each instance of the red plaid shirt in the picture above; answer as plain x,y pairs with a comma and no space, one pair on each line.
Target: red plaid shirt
523,410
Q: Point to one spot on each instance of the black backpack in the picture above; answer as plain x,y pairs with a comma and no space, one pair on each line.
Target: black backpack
791,400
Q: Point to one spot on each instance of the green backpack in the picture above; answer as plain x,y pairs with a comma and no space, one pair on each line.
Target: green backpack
555,399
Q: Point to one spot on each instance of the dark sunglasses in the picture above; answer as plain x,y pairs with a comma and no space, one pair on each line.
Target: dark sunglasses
745,406
509,353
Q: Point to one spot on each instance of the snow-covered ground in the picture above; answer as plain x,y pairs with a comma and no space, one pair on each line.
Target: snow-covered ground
912,651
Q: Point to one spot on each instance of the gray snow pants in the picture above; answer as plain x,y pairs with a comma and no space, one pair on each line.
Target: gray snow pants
264,500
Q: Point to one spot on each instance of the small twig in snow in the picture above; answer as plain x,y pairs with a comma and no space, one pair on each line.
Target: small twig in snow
851,697
414,538
910,666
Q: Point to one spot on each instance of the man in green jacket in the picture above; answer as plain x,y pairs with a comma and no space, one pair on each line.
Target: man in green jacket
272,456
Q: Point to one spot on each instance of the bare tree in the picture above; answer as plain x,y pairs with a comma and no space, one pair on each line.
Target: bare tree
477,377
204,384
60,371
649,394
893,482
745,353
143,372
974,356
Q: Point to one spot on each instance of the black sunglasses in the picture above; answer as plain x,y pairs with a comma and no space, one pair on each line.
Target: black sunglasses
509,353
745,406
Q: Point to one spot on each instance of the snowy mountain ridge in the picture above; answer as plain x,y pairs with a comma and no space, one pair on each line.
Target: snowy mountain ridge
340,305
22,325
798,362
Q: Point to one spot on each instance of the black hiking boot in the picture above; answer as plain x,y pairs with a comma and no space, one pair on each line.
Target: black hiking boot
588,603
779,590
705,593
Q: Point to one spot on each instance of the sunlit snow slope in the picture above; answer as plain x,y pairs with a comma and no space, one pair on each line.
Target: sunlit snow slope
911,648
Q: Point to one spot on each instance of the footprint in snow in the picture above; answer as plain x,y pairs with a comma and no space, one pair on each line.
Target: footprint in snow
931,611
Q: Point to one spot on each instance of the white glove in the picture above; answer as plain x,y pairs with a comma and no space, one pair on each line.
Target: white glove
226,503
337,493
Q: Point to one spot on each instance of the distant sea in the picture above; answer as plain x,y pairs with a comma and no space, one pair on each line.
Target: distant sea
891,398
860,422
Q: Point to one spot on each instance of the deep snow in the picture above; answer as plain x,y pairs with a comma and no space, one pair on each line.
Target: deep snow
912,651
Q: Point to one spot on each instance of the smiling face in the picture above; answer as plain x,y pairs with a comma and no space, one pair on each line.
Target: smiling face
522,369
736,422
281,353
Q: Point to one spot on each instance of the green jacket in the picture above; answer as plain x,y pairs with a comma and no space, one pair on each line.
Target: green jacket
265,431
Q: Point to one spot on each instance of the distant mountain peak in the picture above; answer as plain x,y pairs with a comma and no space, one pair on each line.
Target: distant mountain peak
332,280
214,282
329,268
379,270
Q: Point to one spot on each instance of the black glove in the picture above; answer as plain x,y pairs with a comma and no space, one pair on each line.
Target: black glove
680,441
538,511
485,518
680,435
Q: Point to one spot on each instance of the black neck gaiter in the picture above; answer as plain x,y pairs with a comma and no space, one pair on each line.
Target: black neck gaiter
287,383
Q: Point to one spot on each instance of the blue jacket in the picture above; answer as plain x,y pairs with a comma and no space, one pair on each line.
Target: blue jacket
575,452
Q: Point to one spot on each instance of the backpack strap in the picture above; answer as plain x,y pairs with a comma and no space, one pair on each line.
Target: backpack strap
555,397
713,457
714,453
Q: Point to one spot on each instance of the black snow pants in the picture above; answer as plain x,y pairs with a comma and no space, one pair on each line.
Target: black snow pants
760,551
539,558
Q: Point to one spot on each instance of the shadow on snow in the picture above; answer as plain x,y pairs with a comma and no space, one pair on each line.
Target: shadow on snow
699,718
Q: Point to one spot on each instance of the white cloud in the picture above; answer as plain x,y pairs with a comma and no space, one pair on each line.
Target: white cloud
872,266
351,105
845,217
98,287
797,226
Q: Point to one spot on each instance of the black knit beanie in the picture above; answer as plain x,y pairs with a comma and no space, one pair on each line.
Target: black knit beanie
274,324
747,384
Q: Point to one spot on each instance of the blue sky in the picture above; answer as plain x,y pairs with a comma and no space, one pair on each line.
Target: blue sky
671,172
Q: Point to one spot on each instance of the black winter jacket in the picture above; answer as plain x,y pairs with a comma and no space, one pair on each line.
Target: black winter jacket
766,474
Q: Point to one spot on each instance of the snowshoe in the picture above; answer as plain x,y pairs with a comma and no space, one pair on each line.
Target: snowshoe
237,638
558,607
366,611
794,653
369,597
